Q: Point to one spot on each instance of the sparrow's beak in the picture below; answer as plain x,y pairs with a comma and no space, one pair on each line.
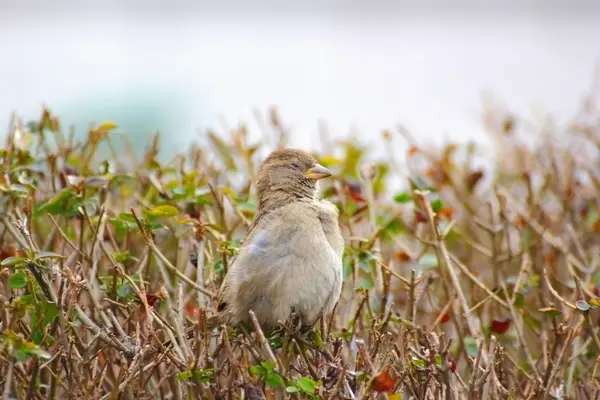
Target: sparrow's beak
317,172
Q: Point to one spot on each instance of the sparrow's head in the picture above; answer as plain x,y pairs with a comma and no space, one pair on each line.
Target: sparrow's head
287,175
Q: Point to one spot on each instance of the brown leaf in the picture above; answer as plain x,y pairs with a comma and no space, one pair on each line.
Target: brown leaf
473,179
520,222
508,126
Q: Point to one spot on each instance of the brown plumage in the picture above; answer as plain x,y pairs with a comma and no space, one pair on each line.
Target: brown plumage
291,257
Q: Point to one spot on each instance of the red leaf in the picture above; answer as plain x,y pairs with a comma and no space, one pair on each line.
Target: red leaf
383,382
445,318
500,326
412,150
451,362
402,256
446,212
191,311
420,217
354,189
11,251
151,299
160,294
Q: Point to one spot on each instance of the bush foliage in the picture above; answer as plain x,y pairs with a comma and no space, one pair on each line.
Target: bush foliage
472,281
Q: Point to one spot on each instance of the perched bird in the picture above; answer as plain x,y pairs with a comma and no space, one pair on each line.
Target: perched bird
291,257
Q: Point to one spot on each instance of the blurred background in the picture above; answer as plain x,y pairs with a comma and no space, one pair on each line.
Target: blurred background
356,67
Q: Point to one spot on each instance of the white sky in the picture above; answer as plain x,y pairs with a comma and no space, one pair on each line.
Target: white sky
364,64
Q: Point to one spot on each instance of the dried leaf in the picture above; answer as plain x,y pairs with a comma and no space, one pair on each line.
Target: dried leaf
223,150
107,126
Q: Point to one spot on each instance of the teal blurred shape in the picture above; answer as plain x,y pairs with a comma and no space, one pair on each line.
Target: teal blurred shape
140,113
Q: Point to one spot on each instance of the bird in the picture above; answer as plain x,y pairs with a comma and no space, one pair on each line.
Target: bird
290,260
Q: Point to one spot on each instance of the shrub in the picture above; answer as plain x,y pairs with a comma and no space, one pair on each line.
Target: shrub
469,279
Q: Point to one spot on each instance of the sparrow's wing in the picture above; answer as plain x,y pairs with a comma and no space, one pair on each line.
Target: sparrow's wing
328,217
260,216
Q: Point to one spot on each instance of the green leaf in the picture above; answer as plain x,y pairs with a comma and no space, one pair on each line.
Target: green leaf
203,376
163,211
20,355
534,281
437,205
292,389
471,346
526,238
12,261
41,353
37,336
202,197
19,189
329,161
124,290
519,301
184,376
247,206
307,385
532,322
418,363
583,305
403,197
276,342
315,337
550,311
428,261
179,191
258,370
49,311
390,229
95,182
594,302
123,179
17,280
268,365
47,254
275,381
123,256
65,203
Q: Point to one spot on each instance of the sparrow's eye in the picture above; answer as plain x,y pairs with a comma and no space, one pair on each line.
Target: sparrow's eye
295,166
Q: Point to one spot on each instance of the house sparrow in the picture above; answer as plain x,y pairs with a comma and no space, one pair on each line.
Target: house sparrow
291,257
